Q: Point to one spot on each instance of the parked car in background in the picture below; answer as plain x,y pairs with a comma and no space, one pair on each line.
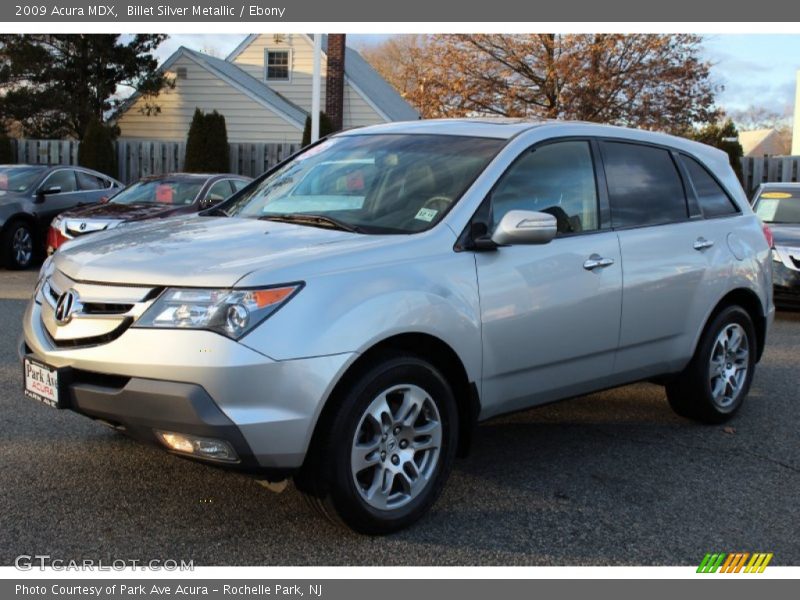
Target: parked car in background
778,206
149,198
31,195
352,335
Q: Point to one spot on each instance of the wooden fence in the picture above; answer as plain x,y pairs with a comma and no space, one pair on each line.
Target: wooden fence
140,158
763,169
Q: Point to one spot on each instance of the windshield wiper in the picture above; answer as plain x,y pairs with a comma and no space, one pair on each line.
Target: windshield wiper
313,220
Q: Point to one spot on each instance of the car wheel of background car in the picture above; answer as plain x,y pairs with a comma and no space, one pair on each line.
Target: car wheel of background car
388,449
18,245
714,384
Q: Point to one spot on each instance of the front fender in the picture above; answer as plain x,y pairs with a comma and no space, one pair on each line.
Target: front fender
354,309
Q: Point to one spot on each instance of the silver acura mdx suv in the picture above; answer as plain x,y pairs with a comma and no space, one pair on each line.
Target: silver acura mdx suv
349,317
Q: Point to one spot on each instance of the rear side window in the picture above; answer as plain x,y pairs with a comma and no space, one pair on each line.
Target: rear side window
87,181
713,200
644,186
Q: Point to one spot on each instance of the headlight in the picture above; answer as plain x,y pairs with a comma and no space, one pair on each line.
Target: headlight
44,272
230,312
57,223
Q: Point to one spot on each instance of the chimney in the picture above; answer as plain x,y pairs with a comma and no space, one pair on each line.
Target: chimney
334,81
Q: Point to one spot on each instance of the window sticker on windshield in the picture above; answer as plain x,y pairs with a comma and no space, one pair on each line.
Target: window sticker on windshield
164,194
776,195
3,181
426,214
766,209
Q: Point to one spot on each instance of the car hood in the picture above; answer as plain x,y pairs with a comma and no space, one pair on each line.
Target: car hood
786,235
123,212
202,251
10,196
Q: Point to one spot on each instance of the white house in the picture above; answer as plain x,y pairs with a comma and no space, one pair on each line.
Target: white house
264,91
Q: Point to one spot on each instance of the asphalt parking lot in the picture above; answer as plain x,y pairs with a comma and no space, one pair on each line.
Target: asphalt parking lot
608,479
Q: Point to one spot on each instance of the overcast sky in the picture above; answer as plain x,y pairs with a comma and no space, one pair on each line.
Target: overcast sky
754,69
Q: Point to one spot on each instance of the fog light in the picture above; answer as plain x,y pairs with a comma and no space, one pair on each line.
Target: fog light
198,446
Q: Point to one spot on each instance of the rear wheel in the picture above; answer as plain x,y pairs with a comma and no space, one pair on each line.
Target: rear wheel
388,449
713,386
18,245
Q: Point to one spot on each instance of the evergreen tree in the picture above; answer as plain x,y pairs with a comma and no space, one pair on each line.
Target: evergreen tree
207,148
325,128
97,149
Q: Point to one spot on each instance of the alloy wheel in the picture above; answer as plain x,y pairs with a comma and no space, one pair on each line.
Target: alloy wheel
728,366
22,246
396,447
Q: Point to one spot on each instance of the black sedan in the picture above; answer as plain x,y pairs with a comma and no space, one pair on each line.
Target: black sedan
778,205
31,195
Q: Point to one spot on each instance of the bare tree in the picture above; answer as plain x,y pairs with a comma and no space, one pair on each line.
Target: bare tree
651,81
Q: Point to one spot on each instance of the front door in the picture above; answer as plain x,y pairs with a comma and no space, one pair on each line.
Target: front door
550,312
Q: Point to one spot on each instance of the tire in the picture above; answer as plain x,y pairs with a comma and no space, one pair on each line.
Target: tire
18,245
713,393
415,453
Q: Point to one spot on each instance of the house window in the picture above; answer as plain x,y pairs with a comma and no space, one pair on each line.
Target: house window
277,65
181,72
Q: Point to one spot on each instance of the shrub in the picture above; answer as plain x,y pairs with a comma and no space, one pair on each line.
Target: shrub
207,148
325,128
96,150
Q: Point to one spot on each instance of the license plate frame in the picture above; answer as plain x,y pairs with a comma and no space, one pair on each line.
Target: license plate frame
45,383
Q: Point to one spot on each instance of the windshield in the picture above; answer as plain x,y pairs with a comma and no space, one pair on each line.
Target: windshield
370,183
174,192
779,207
18,179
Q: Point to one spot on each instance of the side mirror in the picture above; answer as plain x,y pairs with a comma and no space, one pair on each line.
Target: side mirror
524,227
42,192
210,201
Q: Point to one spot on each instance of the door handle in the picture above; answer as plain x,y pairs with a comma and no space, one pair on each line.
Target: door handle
702,243
596,261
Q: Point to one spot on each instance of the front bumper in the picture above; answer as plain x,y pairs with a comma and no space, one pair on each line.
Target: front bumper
195,382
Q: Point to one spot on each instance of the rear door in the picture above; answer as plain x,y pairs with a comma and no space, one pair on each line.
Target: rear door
674,262
550,312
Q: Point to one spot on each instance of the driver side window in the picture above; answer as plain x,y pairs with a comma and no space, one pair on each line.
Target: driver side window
555,178
63,178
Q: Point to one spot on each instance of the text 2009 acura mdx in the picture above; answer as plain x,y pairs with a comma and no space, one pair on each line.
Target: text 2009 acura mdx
347,318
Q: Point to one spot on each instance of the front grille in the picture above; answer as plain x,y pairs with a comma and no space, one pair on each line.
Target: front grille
103,311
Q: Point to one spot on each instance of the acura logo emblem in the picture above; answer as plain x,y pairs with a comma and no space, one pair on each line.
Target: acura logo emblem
68,304
83,227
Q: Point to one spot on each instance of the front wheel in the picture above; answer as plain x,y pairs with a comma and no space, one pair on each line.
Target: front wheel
388,450
18,245
713,386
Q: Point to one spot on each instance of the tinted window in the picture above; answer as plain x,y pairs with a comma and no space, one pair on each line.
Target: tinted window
713,200
219,191
554,178
87,181
644,186
63,178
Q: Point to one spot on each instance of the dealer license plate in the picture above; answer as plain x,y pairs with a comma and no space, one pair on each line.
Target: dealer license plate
41,383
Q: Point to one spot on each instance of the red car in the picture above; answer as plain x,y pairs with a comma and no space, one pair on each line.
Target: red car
150,198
